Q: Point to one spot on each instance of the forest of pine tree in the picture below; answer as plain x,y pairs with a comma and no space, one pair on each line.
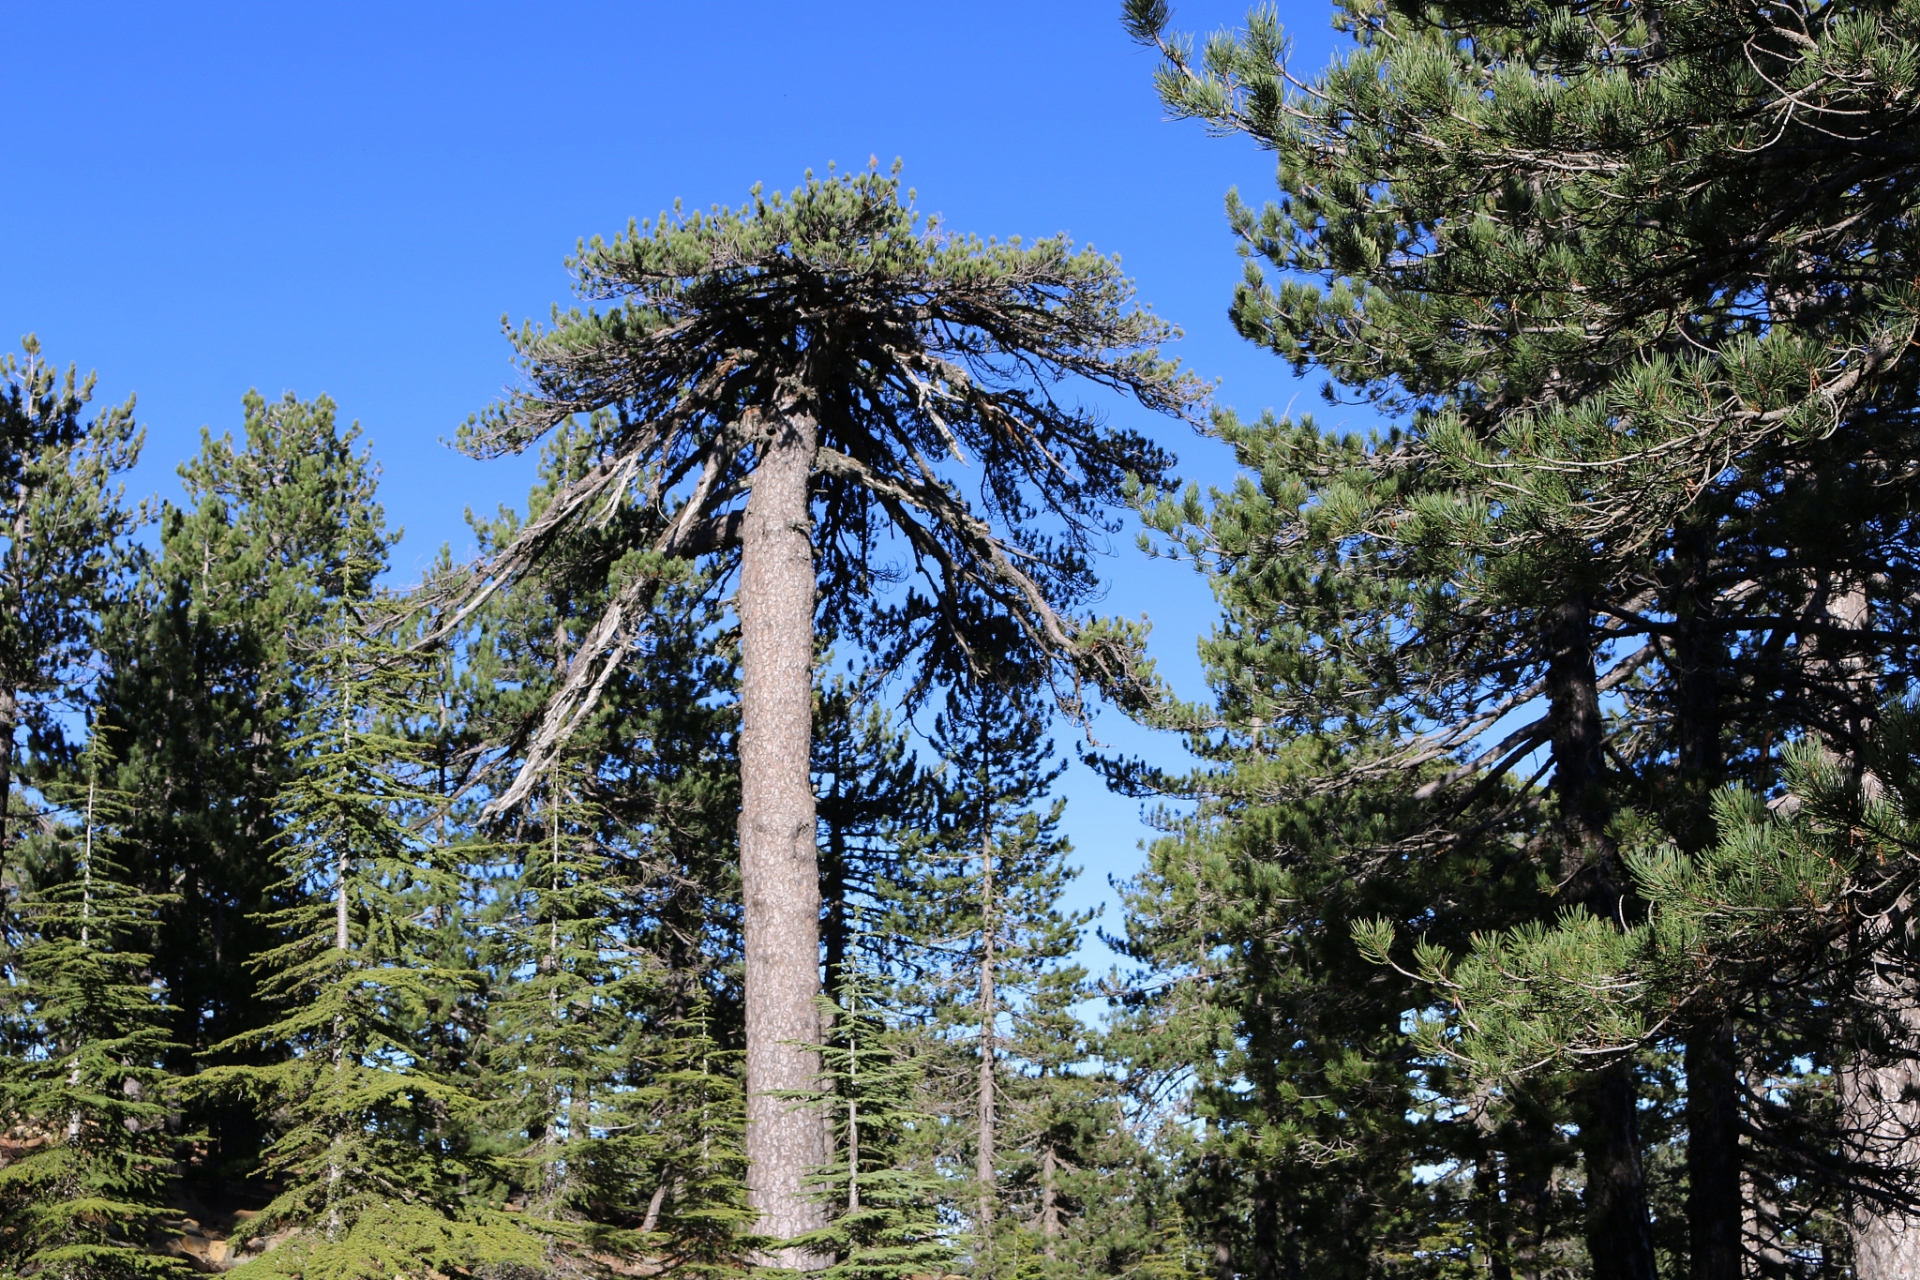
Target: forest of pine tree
681,886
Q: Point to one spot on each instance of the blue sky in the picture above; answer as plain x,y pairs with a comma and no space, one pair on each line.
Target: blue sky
347,197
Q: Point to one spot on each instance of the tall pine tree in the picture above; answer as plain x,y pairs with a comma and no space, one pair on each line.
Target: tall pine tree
981,902
877,346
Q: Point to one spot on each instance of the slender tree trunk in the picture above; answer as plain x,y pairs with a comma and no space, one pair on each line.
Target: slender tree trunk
1619,1235
10,696
1760,1219
1049,1197
984,1138
342,942
654,1205
779,860
1713,1078
1495,1199
343,860
833,888
1495,1251
9,721
853,1100
1266,1230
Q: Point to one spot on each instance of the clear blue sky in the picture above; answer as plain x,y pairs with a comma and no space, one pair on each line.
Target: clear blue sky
347,197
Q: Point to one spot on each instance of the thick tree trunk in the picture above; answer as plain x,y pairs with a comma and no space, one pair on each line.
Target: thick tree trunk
1879,1118
1882,1128
779,861
1529,1141
1266,1231
1713,1152
1619,1236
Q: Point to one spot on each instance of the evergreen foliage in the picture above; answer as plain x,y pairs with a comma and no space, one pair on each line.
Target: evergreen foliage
366,1127
87,1104
655,758
1314,1108
1536,899
991,945
875,797
1628,279
683,1133
61,552
556,1015
610,989
926,345
883,1221
875,345
202,703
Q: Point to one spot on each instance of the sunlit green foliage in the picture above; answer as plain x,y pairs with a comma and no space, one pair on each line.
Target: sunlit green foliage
88,1102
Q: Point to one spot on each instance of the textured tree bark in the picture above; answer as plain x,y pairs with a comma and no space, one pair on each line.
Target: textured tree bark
1882,1124
1049,1199
779,860
1619,1235
1880,1120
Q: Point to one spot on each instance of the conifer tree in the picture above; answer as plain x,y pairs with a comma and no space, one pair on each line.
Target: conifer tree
1309,1108
656,751
1779,921
202,698
61,524
882,1204
367,1152
565,991
1055,1112
1617,423
1115,1188
86,1088
642,933
811,355
981,901
679,1137
874,795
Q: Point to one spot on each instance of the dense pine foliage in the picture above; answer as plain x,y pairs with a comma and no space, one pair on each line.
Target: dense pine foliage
682,887
1525,701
